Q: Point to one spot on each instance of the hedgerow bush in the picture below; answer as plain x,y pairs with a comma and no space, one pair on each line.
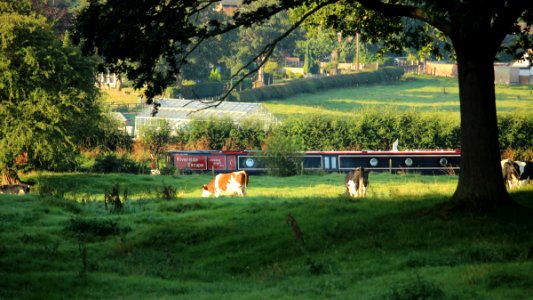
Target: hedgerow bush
369,129
281,156
374,130
312,85
223,134
113,163
193,90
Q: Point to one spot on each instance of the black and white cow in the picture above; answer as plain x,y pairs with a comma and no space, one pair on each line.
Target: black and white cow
356,182
516,173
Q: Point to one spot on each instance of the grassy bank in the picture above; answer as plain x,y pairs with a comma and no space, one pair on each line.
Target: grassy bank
388,246
421,93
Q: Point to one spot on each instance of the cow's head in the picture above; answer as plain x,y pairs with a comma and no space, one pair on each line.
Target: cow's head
511,172
205,191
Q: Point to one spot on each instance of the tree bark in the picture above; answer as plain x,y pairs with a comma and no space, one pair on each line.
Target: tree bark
260,81
10,176
481,184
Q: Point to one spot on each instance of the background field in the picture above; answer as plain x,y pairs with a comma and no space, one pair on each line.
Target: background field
421,93
392,245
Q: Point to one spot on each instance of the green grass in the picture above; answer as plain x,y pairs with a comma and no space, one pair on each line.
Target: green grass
387,246
124,96
422,93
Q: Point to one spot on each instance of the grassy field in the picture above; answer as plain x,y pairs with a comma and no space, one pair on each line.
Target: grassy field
439,95
124,96
62,243
421,93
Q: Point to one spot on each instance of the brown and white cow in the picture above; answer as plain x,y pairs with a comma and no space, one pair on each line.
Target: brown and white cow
356,182
227,184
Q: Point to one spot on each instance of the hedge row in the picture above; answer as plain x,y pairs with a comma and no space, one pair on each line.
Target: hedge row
367,130
311,85
199,90
203,90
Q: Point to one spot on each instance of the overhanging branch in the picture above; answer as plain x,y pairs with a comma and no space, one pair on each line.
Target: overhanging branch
407,11
265,53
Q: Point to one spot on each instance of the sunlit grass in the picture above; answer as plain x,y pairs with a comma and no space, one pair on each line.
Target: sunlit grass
386,246
422,93
124,96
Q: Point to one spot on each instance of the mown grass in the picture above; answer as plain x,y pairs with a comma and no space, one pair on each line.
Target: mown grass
124,96
418,92
391,245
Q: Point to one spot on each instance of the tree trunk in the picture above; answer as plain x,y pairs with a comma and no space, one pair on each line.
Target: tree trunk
260,81
10,176
481,184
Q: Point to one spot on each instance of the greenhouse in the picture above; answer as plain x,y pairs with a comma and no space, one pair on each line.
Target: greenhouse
179,112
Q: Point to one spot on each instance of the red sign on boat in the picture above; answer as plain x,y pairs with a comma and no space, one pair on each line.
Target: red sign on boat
216,162
191,162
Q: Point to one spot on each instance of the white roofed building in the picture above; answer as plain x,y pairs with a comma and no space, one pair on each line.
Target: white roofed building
179,112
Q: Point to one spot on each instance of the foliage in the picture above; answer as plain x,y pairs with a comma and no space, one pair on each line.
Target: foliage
157,138
215,75
309,63
245,50
47,93
94,226
311,85
202,90
281,154
168,192
113,163
369,129
367,54
110,135
113,198
417,289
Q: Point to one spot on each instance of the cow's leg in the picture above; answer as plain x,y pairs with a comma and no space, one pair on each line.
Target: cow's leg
350,186
363,190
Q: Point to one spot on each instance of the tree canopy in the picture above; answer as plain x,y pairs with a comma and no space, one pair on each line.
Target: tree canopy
47,92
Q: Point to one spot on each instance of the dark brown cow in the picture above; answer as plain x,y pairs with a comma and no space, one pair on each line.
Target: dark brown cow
20,189
227,184
356,182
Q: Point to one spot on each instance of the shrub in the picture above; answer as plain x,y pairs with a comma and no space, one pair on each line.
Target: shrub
112,163
113,198
93,226
168,192
416,289
289,88
282,155
215,75
203,90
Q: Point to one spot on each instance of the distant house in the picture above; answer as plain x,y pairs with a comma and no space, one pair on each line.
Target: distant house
506,74
525,71
109,80
228,7
518,72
